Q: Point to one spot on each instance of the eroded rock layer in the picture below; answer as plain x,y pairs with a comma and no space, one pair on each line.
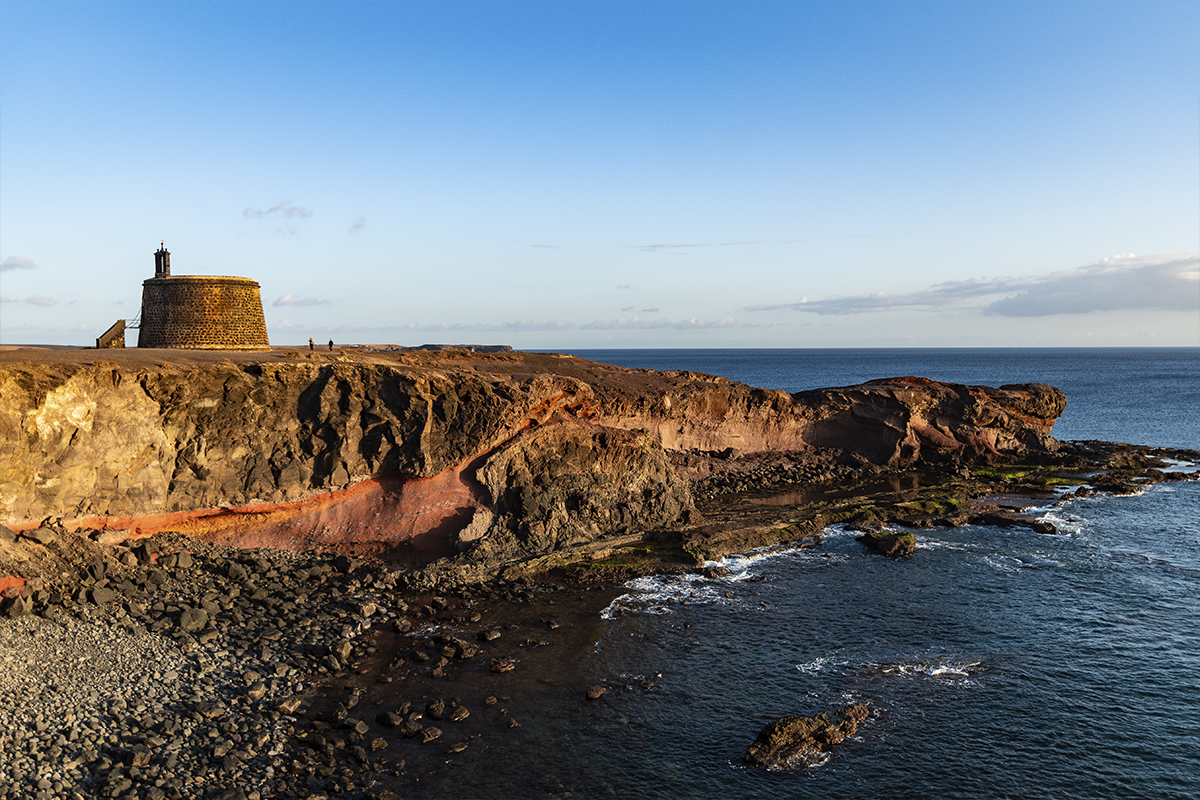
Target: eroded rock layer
420,456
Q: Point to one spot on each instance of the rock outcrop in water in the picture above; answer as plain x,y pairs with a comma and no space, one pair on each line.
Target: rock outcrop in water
893,544
796,742
419,456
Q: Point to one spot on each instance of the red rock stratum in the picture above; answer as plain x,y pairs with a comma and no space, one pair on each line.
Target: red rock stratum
424,455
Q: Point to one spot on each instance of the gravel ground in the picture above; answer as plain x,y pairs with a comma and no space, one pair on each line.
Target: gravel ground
183,674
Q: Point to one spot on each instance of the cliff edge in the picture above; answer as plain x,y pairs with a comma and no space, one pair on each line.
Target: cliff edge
419,456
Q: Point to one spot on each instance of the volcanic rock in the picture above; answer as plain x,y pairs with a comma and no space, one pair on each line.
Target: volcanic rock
462,462
797,742
192,619
890,544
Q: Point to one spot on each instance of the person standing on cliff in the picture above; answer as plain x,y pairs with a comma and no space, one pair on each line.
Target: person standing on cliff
310,344
331,345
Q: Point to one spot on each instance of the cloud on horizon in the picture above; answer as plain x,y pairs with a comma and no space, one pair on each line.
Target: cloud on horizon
531,326
292,300
638,324
1111,284
1165,282
37,300
17,262
674,248
283,208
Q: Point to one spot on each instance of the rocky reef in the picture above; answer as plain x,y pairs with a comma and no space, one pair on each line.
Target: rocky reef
791,743
480,459
892,545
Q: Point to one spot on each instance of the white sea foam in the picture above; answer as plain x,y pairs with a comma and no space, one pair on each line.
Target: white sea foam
819,664
933,543
659,594
1064,522
1059,493
1005,564
951,670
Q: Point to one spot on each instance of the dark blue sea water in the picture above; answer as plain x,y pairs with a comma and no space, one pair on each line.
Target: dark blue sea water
999,663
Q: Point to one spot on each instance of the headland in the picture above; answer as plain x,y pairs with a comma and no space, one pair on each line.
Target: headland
265,536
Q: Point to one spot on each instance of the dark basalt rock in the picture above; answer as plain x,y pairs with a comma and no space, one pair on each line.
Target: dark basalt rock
16,606
1013,519
42,535
798,742
892,545
528,454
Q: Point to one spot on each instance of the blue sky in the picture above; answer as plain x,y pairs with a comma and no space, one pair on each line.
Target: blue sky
567,175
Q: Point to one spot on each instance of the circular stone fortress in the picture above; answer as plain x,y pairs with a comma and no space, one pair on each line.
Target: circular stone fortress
200,312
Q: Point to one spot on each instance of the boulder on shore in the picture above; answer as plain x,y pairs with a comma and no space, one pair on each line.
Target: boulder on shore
798,742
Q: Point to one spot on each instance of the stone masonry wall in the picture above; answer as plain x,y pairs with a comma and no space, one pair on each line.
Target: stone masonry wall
201,312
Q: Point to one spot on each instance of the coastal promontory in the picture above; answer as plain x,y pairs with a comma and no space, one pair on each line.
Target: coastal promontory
418,456
294,572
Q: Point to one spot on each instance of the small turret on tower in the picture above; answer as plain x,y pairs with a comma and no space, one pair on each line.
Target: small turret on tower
162,262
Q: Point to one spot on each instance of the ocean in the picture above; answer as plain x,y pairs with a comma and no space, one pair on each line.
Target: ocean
998,662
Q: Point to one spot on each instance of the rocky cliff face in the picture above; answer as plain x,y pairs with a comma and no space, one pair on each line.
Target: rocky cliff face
892,421
498,456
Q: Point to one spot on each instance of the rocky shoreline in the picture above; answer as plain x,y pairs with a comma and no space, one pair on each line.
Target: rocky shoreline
166,667
174,676
185,670
279,576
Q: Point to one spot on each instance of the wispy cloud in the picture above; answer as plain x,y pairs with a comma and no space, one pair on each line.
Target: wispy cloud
1166,282
1155,283
650,310
358,225
678,248
877,237
627,309
623,286
520,325
285,209
40,300
529,326
942,294
547,246
293,300
638,324
17,262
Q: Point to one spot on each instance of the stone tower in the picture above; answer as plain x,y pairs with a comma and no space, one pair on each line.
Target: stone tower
200,312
